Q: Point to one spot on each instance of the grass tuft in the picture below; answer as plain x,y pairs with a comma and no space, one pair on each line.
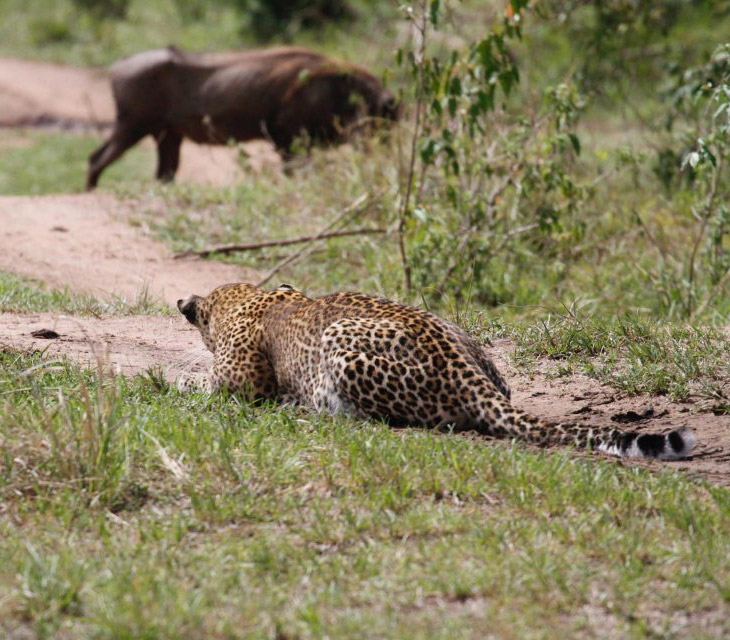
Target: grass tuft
633,354
18,296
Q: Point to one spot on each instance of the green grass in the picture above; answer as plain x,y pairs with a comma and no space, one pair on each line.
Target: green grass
18,295
43,162
632,354
133,511
625,252
271,205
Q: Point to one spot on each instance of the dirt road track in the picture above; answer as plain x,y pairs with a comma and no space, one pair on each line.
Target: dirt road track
84,242
33,93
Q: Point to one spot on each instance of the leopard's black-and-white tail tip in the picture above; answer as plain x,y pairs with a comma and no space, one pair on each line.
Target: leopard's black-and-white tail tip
672,446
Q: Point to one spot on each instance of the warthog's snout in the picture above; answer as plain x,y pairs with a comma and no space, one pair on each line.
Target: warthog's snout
389,107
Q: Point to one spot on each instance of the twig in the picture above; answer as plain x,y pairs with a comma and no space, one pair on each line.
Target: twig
700,235
648,233
715,290
499,189
233,248
404,212
305,251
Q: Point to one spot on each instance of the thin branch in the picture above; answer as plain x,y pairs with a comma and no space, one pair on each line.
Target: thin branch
350,210
414,150
722,282
500,188
700,235
648,233
234,248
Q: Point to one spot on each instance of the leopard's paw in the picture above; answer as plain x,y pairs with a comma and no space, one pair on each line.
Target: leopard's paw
193,382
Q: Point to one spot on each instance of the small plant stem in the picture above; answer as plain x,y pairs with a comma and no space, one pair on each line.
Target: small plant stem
707,214
234,248
405,207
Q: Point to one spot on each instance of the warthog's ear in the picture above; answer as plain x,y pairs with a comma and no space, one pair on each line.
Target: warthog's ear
189,308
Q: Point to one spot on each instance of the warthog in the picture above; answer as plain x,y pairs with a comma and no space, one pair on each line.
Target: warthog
275,94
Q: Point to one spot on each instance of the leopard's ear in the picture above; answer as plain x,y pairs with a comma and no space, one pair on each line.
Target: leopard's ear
285,287
189,308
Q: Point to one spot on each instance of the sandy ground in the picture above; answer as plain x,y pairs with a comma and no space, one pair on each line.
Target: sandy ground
36,94
33,93
584,400
123,345
84,242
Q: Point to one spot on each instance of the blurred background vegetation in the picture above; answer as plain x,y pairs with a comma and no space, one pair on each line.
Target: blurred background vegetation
567,155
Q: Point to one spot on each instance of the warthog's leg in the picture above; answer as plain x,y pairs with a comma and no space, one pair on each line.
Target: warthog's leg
122,138
168,154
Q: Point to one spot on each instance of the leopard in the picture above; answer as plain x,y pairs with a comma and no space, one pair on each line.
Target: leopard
373,358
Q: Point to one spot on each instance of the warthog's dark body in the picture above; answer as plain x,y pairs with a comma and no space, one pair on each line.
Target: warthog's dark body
275,94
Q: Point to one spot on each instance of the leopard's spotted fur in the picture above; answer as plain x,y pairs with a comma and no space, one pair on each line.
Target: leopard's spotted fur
349,352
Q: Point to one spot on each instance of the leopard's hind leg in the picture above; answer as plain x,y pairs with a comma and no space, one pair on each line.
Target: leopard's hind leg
376,368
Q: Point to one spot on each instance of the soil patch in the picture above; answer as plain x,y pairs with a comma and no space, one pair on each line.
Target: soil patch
84,242
126,345
584,400
40,94
33,93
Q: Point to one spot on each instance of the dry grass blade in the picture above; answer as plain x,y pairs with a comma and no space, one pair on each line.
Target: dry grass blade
173,466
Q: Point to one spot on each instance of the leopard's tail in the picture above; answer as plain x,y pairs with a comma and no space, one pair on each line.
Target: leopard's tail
502,419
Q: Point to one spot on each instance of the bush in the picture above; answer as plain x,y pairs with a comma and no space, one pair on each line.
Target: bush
487,185
104,9
283,18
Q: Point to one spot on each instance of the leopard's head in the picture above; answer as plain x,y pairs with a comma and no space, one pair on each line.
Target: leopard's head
197,312
235,301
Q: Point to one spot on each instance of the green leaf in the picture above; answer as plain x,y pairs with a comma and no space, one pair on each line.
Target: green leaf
452,106
428,151
575,142
708,155
434,10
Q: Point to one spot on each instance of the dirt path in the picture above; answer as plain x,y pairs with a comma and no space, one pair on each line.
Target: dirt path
126,345
36,94
84,242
